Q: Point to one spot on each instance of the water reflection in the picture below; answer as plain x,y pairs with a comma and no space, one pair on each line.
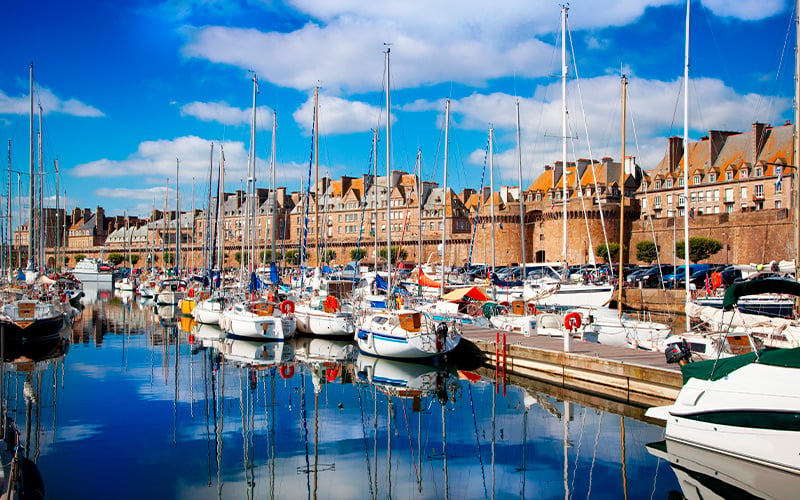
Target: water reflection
202,416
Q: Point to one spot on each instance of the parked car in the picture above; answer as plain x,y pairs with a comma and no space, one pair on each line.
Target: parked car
652,276
698,278
678,276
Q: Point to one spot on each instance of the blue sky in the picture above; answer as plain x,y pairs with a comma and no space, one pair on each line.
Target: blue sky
128,87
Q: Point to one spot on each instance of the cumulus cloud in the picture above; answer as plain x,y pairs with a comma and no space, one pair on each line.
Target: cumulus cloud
226,114
746,10
648,122
50,103
339,116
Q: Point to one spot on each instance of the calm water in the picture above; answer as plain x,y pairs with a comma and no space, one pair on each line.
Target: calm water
137,407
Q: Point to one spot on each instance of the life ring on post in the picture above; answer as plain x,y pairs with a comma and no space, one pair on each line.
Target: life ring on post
572,321
287,307
287,371
531,308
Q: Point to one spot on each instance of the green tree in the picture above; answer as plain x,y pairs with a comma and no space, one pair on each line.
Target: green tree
115,258
79,257
608,253
265,255
134,259
700,248
292,257
646,251
357,254
397,253
239,256
328,255
169,258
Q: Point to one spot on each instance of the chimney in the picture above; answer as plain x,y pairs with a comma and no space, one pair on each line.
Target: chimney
759,138
675,152
346,183
558,170
280,199
239,198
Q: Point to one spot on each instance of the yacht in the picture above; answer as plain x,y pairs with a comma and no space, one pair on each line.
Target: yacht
93,270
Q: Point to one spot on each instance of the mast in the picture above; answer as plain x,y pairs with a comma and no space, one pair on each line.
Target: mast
177,220
564,137
8,209
251,179
221,211
388,182
521,197
274,209
418,172
567,338
207,251
166,227
796,201
622,195
491,188
375,191
316,172
686,162
40,218
57,264
444,198
32,185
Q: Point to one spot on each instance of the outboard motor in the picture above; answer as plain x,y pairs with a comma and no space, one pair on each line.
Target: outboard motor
441,336
679,352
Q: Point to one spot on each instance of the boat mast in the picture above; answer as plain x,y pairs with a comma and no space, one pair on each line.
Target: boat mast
8,205
388,182
177,220
622,196
418,172
207,251
221,211
444,200
686,162
40,218
57,248
32,186
567,338
796,201
274,208
521,196
375,191
316,172
166,227
249,220
491,188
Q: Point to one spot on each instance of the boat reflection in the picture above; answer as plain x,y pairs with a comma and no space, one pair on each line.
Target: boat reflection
704,474
28,363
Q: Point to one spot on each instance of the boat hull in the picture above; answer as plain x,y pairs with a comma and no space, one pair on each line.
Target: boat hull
245,324
314,322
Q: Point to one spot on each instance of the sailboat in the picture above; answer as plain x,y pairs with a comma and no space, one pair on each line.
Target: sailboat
400,332
27,318
250,315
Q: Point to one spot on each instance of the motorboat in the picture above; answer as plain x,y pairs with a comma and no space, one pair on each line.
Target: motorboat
94,270
258,320
171,291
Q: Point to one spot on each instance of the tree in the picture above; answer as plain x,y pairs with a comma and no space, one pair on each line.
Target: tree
115,258
134,259
79,257
646,251
357,254
265,255
610,253
292,257
328,255
169,258
238,255
395,252
700,248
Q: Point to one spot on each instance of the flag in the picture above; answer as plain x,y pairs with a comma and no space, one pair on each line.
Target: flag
779,173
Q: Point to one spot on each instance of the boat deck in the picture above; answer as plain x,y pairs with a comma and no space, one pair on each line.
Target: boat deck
633,376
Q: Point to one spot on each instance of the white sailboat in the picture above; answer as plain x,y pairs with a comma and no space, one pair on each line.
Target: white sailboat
401,333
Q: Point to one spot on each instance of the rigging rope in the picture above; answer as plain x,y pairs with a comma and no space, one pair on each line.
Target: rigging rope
477,212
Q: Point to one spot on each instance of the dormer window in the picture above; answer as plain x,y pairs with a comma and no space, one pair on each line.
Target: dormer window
680,181
759,171
669,183
712,177
657,185
744,173
697,179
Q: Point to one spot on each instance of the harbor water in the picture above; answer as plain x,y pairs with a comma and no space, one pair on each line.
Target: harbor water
137,402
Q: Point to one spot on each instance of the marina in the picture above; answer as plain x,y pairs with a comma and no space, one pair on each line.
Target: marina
137,392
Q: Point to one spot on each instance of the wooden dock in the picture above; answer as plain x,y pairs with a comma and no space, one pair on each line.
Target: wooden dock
630,376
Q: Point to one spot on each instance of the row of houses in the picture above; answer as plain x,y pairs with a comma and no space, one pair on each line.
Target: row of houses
731,176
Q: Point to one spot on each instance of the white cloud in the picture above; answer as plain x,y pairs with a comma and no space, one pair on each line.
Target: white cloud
50,102
339,116
650,120
747,10
226,114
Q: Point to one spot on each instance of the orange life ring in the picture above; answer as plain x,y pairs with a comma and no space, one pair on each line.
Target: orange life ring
331,374
531,308
572,321
287,371
270,297
287,307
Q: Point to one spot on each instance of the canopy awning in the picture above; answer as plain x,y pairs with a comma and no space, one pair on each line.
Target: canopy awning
459,294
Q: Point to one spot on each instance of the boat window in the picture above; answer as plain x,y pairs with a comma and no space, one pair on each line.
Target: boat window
697,347
380,319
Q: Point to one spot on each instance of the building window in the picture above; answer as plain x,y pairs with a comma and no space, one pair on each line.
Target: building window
758,191
657,202
729,208
729,195
697,179
778,204
669,183
743,193
759,171
657,185
712,177
744,173
729,175
680,181
669,199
